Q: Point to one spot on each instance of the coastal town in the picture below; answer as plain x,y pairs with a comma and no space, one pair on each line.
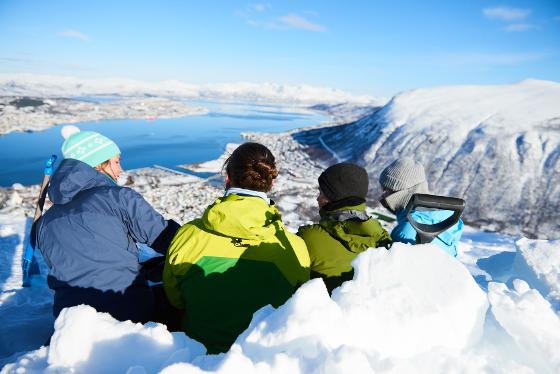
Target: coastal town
23,113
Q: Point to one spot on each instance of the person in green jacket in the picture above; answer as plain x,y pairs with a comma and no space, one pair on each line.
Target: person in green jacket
237,258
345,229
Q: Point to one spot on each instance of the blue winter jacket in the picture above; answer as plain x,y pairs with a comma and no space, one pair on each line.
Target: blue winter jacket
88,239
448,240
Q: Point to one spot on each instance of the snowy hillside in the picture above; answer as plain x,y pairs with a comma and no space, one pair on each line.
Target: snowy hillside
63,86
496,146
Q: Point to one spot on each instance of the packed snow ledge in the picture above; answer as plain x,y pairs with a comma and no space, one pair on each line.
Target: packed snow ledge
409,309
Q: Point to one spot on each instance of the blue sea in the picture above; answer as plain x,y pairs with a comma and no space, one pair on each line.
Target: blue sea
167,142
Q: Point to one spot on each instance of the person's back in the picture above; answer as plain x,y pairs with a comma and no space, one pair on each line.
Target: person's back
400,180
234,260
88,239
345,230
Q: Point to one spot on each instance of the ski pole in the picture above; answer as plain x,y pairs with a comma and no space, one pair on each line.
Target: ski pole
29,263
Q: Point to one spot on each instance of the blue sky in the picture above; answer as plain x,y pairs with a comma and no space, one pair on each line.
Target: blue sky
364,47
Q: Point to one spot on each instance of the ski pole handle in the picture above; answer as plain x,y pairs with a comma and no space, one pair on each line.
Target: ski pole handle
43,192
49,165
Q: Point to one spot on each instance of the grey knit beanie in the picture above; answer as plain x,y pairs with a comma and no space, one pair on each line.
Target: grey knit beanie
406,177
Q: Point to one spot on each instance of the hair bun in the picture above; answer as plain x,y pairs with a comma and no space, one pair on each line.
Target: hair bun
252,166
265,171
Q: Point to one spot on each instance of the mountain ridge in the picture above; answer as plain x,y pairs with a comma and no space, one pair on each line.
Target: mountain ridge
496,146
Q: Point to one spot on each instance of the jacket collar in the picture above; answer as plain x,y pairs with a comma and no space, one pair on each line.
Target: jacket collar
245,192
345,213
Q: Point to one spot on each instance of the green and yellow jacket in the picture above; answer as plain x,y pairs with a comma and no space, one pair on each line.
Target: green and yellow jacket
338,238
233,261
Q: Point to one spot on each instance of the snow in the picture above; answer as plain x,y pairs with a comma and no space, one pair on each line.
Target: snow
26,313
107,345
395,307
66,86
409,309
538,263
530,320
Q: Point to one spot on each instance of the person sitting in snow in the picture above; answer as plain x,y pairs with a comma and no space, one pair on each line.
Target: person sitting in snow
88,237
237,258
400,180
345,229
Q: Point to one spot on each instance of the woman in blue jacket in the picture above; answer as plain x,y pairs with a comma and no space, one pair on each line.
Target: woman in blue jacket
400,180
88,237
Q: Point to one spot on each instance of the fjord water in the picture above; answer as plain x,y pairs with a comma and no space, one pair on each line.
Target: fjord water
165,142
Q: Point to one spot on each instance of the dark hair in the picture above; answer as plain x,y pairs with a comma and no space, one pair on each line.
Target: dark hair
251,166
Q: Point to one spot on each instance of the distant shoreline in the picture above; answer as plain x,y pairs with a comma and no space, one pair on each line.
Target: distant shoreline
28,114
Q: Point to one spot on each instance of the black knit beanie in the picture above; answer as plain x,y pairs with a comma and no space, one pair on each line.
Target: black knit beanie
344,180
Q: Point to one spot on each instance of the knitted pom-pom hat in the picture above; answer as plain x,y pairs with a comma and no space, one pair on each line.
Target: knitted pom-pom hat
405,177
87,146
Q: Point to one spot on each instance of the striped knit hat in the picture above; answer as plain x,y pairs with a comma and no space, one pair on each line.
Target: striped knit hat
405,177
87,146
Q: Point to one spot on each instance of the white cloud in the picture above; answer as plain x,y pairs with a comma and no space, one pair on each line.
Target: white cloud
261,7
253,23
74,34
505,13
298,22
519,27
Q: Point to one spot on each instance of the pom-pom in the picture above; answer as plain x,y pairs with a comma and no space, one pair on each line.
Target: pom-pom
69,130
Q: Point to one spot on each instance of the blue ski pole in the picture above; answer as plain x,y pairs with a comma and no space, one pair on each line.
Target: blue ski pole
29,264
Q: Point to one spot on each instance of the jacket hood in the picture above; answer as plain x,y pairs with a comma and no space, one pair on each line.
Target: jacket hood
431,217
72,177
244,217
358,233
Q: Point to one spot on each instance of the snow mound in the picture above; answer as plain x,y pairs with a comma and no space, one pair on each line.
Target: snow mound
410,309
529,319
88,342
538,263
422,299
401,303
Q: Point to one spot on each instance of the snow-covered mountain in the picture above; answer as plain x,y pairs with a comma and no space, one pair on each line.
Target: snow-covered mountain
63,86
496,146
411,309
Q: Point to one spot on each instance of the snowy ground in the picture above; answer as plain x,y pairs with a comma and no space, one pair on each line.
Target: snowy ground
413,308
